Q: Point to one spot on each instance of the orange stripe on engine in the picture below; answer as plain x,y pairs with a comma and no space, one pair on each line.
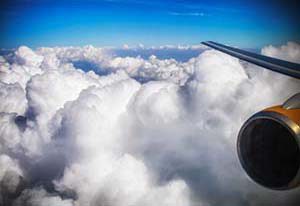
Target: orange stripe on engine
292,114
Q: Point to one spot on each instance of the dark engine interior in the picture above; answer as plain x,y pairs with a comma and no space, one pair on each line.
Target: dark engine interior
269,153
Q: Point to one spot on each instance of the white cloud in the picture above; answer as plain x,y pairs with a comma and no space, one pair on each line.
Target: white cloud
10,178
289,52
143,132
157,103
12,98
10,135
25,56
39,197
187,14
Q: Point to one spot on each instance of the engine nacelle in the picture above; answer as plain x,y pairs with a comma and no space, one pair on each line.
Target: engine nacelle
269,146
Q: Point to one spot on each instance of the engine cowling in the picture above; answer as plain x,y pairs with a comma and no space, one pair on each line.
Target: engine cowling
268,146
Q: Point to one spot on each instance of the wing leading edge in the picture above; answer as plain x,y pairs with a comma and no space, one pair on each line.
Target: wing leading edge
277,65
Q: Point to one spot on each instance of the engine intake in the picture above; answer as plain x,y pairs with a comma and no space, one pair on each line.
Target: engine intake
269,147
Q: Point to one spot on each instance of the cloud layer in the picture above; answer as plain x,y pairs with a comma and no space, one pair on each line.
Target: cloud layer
84,126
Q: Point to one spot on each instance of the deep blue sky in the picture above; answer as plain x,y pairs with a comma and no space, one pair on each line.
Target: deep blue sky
249,24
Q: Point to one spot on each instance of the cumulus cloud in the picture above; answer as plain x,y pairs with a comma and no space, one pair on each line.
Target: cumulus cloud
84,126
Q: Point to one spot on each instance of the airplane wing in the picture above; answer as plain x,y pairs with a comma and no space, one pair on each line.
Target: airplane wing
277,65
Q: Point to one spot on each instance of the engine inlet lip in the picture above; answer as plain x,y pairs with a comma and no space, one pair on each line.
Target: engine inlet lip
290,125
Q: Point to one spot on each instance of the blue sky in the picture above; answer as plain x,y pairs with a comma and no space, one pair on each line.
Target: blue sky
248,24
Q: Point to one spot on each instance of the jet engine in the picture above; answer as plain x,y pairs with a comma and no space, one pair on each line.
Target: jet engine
269,146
